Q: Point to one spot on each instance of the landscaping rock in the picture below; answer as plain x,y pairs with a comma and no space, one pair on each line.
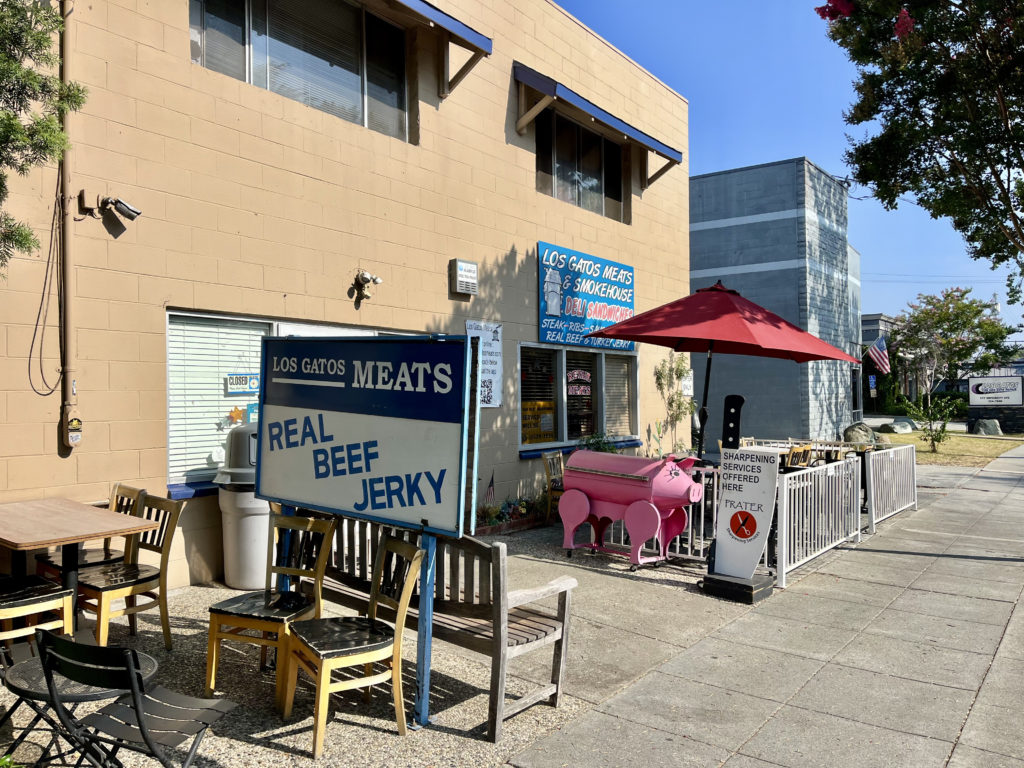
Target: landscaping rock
900,427
859,432
986,427
905,420
882,441
886,428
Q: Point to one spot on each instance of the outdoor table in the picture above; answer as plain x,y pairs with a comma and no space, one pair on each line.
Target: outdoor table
42,523
27,681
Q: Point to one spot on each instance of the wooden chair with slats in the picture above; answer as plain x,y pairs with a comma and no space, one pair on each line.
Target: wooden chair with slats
123,499
320,647
554,469
101,585
265,618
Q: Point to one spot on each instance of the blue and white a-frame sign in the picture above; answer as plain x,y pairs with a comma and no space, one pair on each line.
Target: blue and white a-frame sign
382,428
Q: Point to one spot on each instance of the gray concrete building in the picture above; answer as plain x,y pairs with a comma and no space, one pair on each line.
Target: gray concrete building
777,234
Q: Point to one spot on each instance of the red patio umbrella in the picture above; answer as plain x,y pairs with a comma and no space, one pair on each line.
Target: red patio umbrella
718,319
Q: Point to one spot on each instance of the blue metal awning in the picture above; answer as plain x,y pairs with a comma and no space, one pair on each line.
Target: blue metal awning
558,92
466,35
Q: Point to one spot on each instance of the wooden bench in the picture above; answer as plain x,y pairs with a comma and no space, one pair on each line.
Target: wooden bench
473,608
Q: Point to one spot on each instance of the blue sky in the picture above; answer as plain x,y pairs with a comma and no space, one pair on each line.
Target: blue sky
765,83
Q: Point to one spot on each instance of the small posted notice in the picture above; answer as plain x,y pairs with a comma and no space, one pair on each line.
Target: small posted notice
745,509
491,365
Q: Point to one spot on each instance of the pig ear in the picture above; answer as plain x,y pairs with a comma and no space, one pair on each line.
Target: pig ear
687,463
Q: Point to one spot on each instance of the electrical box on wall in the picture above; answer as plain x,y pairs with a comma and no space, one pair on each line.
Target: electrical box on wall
463,277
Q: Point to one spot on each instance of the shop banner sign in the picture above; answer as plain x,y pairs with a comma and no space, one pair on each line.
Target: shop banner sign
579,294
370,427
995,390
745,509
491,368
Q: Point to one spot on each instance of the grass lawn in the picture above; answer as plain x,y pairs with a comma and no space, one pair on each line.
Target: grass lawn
959,450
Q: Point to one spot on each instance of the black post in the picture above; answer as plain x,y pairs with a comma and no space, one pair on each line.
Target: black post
703,413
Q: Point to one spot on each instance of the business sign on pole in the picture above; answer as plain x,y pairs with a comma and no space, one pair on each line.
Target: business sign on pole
368,426
995,390
579,294
745,509
491,365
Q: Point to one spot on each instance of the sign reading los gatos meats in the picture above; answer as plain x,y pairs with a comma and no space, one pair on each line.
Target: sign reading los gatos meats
579,294
368,427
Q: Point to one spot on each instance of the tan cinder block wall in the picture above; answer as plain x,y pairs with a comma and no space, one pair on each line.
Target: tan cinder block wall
257,205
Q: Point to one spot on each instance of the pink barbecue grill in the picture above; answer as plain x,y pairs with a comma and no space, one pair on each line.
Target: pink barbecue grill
648,495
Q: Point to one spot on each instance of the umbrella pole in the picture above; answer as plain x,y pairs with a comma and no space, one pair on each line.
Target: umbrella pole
702,415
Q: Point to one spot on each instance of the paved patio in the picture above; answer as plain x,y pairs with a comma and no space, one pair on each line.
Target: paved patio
904,650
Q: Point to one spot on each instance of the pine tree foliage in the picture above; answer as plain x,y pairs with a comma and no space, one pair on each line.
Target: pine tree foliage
33,103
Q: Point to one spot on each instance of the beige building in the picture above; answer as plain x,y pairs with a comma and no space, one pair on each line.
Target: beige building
274,157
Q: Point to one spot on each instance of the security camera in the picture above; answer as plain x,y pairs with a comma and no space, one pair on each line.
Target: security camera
365,277
127,210
377,280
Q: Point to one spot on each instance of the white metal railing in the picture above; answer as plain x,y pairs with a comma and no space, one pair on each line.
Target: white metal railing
891,480
818,509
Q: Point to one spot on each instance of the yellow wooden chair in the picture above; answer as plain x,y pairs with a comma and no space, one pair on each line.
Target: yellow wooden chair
264,618
123,499
320,647
99,586
554,469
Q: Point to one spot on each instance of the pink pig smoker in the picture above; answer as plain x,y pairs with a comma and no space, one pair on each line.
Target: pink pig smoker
648,495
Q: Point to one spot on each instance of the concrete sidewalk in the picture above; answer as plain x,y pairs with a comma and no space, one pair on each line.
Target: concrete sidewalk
905,650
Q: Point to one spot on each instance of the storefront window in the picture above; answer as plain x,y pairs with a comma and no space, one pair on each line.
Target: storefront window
568,394
538,395
580,401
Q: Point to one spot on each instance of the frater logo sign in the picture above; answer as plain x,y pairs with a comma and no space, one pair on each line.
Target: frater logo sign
745,508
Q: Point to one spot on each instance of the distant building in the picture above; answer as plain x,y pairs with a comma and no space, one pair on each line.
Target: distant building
777,234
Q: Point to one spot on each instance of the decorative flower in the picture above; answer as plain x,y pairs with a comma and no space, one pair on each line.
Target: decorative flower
834,9
904,24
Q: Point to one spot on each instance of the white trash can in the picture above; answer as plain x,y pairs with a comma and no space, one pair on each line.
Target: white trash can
245,520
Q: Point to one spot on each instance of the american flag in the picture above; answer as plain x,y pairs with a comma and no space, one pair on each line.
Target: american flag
489,493
879,354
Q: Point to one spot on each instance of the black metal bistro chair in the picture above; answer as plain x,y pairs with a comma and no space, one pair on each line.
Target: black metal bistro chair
147,719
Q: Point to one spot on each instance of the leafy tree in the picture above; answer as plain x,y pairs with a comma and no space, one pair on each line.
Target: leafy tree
33,102
941,84
668,378
949,335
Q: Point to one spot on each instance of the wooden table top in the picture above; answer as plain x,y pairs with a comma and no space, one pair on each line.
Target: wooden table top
40,523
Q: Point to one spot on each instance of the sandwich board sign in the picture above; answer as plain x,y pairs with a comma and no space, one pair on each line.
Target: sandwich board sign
371,427
381,428
745,508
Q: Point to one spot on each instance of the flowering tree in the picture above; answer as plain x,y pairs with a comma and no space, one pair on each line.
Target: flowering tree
951,334
941,86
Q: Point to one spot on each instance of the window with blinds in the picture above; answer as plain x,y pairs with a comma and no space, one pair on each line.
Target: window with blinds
201,352
328,54
538,396
595,391
619,395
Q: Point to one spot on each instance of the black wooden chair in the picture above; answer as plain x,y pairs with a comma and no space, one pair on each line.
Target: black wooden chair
146,719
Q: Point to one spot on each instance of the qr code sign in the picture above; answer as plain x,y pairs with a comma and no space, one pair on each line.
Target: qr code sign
487,391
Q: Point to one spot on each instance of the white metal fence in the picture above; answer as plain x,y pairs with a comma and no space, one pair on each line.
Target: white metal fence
818,509
891,480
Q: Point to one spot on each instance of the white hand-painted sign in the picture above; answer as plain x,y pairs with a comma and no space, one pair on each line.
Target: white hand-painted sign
745,509
372,427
